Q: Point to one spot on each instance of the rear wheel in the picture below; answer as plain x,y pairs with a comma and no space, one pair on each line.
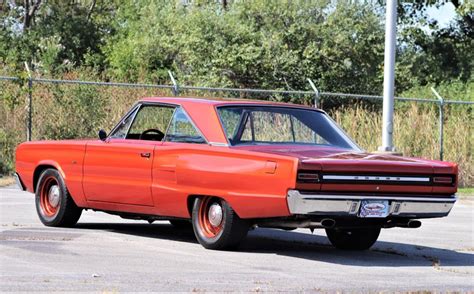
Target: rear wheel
216,225
54,205
353,239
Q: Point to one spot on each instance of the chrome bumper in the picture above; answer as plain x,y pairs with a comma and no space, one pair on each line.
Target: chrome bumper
347,205
19,183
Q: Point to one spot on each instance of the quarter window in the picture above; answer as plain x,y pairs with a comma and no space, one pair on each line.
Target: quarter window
230,120
121,131
182,130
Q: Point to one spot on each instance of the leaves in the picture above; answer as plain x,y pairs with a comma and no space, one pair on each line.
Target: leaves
241,44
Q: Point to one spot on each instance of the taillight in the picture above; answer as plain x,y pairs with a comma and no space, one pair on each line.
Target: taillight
442,180
308,177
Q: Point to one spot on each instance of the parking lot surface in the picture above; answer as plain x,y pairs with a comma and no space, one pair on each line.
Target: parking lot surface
105,253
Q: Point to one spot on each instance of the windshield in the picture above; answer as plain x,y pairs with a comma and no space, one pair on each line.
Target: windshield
260,125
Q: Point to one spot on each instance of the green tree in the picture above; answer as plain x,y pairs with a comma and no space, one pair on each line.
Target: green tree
430,54
54,34
269,44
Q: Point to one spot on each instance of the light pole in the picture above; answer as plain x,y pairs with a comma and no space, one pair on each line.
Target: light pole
389,76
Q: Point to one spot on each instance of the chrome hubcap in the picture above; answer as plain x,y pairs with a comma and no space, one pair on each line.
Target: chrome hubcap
53,195
215,214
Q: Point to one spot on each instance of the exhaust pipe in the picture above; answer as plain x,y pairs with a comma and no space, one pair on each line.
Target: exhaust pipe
328,223
412,223
324,223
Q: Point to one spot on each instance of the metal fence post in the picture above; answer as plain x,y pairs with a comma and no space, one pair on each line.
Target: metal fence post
316,93
30,104
175,89
441,122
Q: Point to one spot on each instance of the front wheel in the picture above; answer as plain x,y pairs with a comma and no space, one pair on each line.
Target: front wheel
353,239
216,225
54,205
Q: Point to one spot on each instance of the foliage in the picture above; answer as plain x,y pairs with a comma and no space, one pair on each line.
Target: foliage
429,53
86,119
61,34
453,90
241,44
254,44
72,111
416,133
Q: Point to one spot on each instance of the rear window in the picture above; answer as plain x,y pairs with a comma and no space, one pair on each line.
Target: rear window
257,125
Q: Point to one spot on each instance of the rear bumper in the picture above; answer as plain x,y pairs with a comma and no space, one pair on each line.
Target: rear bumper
347,205
19,183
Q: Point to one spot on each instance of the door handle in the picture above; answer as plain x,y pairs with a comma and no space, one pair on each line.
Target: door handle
145,154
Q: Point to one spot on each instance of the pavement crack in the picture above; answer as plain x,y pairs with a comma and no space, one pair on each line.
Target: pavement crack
436,263
389,251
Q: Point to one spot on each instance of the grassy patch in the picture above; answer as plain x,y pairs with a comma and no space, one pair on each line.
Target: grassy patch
468,191
6,181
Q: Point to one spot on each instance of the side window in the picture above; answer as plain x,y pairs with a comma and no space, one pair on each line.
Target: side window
182,130
121,131
230,121
150,123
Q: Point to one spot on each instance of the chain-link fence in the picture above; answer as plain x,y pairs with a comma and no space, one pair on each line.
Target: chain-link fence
37,108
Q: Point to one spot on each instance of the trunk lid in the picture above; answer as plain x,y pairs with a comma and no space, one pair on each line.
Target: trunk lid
342,171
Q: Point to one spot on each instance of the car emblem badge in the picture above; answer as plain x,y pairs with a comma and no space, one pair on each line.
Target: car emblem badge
374,206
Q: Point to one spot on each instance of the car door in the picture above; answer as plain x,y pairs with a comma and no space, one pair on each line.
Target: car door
171,181
119,169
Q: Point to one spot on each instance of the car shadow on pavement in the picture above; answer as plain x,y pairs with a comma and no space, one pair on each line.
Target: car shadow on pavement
383,253
305,246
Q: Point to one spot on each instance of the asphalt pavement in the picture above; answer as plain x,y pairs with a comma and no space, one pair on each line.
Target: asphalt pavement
105,253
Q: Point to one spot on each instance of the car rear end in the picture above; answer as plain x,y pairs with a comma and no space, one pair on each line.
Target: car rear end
338,186
363,189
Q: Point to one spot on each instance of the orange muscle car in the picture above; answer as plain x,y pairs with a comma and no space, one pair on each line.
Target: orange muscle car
224,166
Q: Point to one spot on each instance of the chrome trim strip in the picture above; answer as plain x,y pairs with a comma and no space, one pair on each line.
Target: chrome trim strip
19,183
134,116
375,178
218,144
339,130
129,113
169,124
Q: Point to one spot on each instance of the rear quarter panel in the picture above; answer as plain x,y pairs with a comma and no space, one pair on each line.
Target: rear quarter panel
254,184
66,156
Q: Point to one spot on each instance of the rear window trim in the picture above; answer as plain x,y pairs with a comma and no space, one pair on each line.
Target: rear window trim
338,128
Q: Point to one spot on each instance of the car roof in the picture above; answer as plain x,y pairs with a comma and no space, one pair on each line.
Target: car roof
204,116
220,101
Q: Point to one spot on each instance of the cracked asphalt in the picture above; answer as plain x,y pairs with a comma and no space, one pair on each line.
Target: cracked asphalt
105,253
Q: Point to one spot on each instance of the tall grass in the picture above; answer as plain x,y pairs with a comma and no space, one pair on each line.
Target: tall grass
73,111
416,133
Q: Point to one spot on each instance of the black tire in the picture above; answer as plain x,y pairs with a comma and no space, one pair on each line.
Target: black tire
227,235
353,239
181,224
65,213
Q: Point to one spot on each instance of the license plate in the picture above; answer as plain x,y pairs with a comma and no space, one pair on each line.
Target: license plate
374,208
